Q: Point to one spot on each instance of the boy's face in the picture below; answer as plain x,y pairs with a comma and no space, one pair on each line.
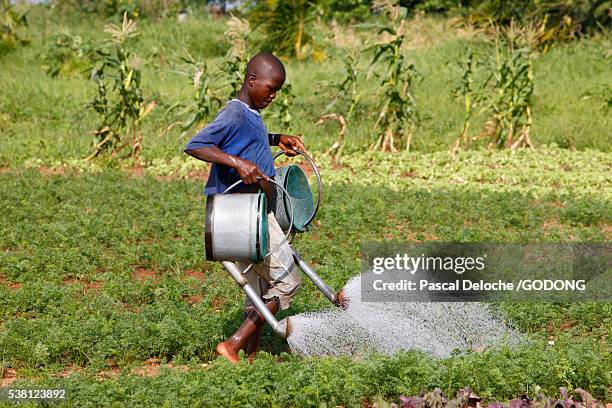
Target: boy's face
263,88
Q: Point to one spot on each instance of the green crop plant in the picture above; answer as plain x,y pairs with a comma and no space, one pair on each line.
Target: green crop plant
505,95
465,91
346,99
205,100
558,20
510,104
122,108
234,65
471,93
282,107
11,23
398,114
86,305
116,8
346,91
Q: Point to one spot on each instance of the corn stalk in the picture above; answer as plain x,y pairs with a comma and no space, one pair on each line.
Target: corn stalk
347,96
511,104
472,94
505,96
282,106
206,84
119,101
466,91
398,115
234,66
336,149
285,25
205,99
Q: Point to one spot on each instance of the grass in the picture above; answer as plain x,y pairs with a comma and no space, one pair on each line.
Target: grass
101,265
111,273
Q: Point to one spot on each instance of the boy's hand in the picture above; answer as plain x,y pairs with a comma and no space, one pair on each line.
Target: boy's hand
247,170
289,145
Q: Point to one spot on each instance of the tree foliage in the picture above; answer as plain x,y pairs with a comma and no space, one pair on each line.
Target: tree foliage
11,25
67,53
133,8
285,24
582,15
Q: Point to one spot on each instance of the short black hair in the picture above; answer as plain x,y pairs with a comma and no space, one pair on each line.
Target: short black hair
264,64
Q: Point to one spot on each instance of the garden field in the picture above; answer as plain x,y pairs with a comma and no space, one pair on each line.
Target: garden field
104,290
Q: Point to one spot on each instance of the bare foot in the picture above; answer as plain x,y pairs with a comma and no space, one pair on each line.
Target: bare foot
251,357
341,300
225,351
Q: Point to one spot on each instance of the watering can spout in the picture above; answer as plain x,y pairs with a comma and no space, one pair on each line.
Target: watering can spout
283,328
316,279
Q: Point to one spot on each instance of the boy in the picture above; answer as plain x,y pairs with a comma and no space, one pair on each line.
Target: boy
238,146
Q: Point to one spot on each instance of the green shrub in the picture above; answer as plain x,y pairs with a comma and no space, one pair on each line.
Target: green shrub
67,53
12,25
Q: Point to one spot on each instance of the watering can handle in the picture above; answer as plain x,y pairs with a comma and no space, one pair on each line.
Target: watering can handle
319,182
290,218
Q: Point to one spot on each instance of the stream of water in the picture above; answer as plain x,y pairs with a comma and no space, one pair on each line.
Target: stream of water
387,327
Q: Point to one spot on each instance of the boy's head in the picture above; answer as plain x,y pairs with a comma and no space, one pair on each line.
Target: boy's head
265,75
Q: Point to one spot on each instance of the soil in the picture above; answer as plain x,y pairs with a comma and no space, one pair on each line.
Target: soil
199,275
152,367
12,285
9,376
217,303
87,285
192,300
141,274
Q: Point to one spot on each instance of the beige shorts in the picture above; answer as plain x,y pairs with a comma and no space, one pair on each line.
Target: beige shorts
278,275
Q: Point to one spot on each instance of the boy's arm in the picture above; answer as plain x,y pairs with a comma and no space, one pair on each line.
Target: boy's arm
247,170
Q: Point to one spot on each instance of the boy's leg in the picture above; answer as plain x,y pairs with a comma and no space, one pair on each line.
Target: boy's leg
281,279
260,286
277,279
253,343
230,347
238,341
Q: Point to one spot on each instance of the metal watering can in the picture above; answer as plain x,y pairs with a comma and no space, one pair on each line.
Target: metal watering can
237,230
299,196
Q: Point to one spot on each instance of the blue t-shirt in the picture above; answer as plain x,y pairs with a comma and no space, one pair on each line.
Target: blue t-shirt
237,130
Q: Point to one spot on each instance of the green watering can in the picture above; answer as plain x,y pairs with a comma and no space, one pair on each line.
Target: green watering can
299,196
